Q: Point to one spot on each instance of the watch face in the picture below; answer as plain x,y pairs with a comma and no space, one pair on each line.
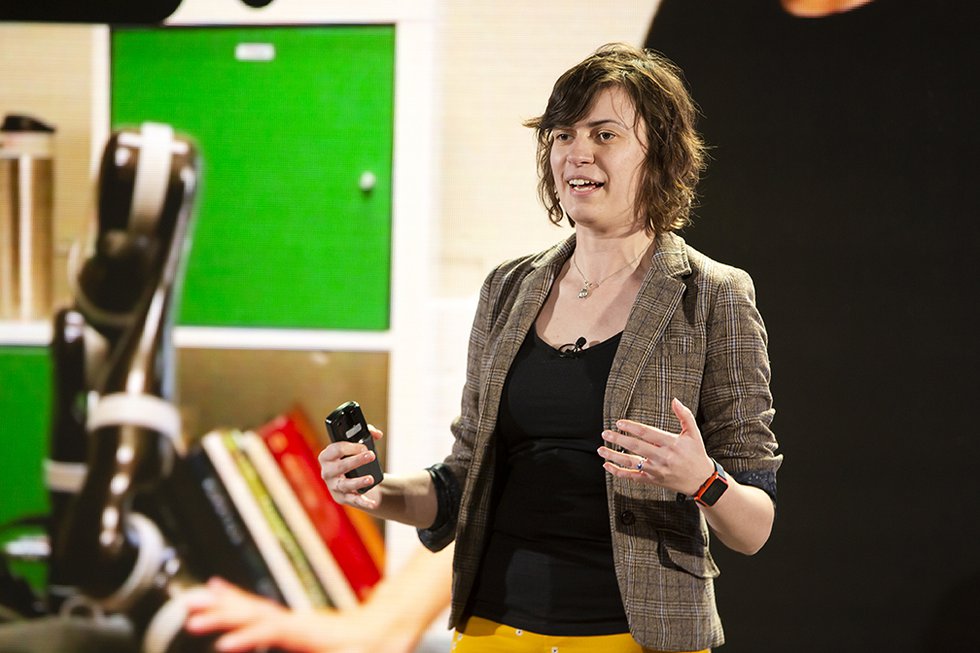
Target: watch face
713,492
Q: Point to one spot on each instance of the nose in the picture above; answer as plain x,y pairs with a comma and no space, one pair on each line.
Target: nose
581,152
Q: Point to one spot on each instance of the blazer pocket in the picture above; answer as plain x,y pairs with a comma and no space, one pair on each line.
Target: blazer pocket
690,554
650,520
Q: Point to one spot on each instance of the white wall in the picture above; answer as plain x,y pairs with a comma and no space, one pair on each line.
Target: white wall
499,61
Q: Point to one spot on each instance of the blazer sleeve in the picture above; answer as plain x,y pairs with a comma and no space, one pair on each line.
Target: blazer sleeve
449,476
735,409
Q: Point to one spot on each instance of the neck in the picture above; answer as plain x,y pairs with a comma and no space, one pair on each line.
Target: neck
600,255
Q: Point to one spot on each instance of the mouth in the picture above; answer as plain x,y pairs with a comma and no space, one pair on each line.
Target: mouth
582,185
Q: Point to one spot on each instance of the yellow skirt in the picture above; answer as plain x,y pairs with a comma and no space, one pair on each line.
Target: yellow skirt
485,636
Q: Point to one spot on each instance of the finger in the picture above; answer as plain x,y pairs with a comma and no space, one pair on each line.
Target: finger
218,584
289,631
376,433
208,622
339,450
198,625
352,462
239,602
230,611
689,425
636,445
224,590
338,468
364,502
626,461
650,434
347,490
629,443
349,486
624,472
249,638
199,598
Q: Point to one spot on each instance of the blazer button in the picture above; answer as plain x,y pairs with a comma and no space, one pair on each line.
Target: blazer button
627,517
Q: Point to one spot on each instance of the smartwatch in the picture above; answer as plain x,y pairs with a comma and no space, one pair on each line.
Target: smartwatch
712,489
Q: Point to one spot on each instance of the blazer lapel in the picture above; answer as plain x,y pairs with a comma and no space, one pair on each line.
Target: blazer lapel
659,296
531,294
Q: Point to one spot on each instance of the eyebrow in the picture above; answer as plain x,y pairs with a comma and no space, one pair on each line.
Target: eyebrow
595,123
599,123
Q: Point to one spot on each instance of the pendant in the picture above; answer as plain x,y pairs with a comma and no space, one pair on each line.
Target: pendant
584,292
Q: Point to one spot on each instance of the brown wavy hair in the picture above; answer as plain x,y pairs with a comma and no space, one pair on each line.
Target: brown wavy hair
675,152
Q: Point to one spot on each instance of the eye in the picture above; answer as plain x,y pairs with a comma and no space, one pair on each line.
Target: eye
562,137
605,137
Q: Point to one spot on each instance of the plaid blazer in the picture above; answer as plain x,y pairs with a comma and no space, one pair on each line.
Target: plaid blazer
693,333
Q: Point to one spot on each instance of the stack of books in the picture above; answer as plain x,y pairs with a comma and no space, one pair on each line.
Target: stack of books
251,507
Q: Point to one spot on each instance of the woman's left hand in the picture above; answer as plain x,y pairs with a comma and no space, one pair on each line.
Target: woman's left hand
675,461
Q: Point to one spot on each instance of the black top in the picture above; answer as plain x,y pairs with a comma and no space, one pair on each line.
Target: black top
548,567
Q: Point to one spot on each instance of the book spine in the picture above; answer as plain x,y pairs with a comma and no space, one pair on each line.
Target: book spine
215,443
276,522
222,542
331,577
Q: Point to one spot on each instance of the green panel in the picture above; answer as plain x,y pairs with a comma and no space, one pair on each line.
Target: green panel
284,236
25,400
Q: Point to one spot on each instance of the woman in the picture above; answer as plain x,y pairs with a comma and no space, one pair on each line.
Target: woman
620,349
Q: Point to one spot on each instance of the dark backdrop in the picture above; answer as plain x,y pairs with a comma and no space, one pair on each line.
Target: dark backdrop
843,179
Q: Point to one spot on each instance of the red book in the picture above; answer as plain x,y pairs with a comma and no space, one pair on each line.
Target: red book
371,535
286,436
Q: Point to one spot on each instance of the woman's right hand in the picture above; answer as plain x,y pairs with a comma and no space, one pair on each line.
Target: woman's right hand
336,460
247,622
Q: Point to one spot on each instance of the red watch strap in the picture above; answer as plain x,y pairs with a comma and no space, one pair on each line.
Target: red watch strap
717,476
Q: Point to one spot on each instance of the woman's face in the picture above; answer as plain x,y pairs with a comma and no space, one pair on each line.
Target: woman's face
598,162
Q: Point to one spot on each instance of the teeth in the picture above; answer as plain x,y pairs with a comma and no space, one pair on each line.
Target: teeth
581,182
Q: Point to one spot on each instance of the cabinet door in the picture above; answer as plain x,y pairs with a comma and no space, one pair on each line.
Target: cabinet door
25,400
290,123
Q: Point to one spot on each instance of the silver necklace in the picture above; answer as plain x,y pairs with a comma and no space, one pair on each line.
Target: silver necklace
589,286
